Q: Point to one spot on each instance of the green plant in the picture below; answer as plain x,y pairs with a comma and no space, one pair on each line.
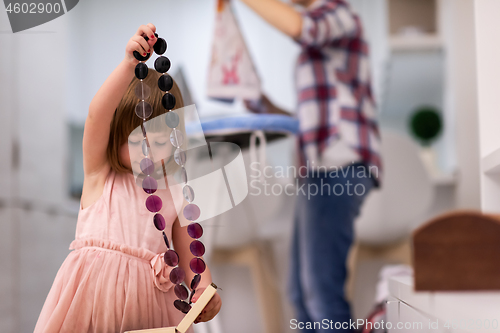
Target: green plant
426,125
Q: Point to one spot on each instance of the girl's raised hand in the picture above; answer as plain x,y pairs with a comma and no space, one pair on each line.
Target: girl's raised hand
139,44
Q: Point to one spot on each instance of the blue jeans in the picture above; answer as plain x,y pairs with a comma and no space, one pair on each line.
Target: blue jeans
323,234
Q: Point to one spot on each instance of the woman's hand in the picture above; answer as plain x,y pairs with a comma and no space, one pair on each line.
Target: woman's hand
211,309
139,44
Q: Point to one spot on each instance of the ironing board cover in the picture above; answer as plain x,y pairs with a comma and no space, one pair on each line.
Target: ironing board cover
246,123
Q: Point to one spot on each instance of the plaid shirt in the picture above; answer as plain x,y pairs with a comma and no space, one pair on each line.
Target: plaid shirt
335,100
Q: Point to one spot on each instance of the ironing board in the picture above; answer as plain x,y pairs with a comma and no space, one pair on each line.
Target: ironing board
238,128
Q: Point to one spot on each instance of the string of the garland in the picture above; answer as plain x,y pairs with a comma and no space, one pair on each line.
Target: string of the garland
153,203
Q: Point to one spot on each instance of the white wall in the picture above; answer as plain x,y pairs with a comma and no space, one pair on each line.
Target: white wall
7,89
374,17
100,36
487,28
98,45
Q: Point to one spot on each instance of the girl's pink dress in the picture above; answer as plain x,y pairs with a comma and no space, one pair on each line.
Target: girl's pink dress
115,280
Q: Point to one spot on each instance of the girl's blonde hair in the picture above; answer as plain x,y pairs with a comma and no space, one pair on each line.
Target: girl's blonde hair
125,120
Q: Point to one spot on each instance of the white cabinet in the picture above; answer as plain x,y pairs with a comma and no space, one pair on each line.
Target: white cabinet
440,312
35,229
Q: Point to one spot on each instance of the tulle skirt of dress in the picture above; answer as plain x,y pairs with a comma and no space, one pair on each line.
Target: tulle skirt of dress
100,288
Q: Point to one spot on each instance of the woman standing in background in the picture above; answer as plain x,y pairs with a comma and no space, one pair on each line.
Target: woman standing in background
339,144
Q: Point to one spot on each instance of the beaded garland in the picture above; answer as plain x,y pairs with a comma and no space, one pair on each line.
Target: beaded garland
153,203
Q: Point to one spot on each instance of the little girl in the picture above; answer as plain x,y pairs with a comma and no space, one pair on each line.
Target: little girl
115,280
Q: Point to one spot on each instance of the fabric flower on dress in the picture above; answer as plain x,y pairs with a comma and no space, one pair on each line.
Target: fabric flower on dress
161,273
